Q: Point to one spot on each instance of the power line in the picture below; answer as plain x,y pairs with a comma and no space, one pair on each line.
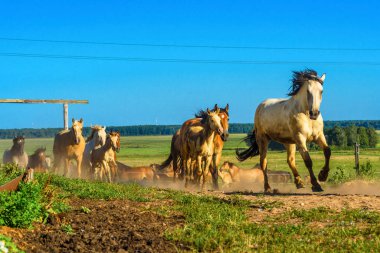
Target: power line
190,45
173,60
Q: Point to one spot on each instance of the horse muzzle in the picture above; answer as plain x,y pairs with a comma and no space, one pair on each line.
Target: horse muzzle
314,114
225,136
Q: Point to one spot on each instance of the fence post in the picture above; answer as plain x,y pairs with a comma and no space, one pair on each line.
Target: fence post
66,116
357,158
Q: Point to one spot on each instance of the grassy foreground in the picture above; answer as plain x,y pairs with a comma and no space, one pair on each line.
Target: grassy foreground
214,223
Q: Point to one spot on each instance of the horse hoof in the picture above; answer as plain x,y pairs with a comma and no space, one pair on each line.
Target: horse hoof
322,176
299,183
316,188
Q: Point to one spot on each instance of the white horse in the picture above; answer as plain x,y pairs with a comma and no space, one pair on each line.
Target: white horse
97,138
293,121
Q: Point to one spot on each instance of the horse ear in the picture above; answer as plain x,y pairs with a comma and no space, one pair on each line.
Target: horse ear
73,120
81,120
208,111
215,107
227,107
323,77
217,111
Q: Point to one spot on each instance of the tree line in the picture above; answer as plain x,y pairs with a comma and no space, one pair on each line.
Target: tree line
339,133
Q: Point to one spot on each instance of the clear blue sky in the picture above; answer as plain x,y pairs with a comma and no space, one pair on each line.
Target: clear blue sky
130,93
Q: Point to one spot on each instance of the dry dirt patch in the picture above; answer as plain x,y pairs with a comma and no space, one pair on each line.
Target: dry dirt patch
110,226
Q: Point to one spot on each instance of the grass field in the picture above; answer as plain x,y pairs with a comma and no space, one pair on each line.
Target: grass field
209,222
144,150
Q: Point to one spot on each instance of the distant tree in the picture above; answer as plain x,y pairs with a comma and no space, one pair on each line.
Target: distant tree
363,137
338,137
351,133
372,137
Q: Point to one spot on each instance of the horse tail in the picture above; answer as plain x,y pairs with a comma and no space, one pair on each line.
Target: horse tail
252,150
167,162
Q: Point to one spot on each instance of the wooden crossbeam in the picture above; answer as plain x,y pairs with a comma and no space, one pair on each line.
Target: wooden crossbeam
65,103
44,101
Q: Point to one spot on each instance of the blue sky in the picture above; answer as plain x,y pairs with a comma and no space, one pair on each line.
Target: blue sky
130,93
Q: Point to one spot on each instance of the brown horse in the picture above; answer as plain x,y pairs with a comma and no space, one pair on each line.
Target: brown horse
135,174
103,157
293,121
197,146
68,145
16,154
38,161
175,156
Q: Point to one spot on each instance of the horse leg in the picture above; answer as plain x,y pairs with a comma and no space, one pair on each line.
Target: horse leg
323,174
79,166
301,142
214,170
66,169
291,151
187,163
206,170
263,148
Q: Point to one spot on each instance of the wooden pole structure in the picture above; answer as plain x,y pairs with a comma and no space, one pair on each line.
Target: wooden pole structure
66,116
65,103
357,158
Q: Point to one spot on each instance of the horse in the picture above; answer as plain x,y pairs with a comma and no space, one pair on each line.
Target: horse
197,146
136,174
218,141
38,160
175,156
103,157
230,173
114,167
293,121
16,154
69,144
96,138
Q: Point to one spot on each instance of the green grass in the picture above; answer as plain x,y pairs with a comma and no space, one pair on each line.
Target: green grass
8,244
222,224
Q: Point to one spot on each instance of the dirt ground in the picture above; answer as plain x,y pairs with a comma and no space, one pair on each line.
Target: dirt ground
126,226
111,226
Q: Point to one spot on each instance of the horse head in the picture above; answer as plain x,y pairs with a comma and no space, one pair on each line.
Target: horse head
214,121
224,117
76,129
114,137
310,87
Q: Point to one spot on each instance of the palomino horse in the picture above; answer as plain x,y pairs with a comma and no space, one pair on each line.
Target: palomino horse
103,157
69,144
219,140
38,161
197,145
16,154
96,138
293,121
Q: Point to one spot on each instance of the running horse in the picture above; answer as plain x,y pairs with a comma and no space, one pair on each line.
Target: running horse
197,146
68,145
175,155
293,122
16,154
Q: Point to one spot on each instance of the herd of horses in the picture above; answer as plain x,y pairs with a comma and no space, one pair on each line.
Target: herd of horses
196,148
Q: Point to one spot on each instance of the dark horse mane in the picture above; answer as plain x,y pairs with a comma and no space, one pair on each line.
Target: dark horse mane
39,150
203,114
300,77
